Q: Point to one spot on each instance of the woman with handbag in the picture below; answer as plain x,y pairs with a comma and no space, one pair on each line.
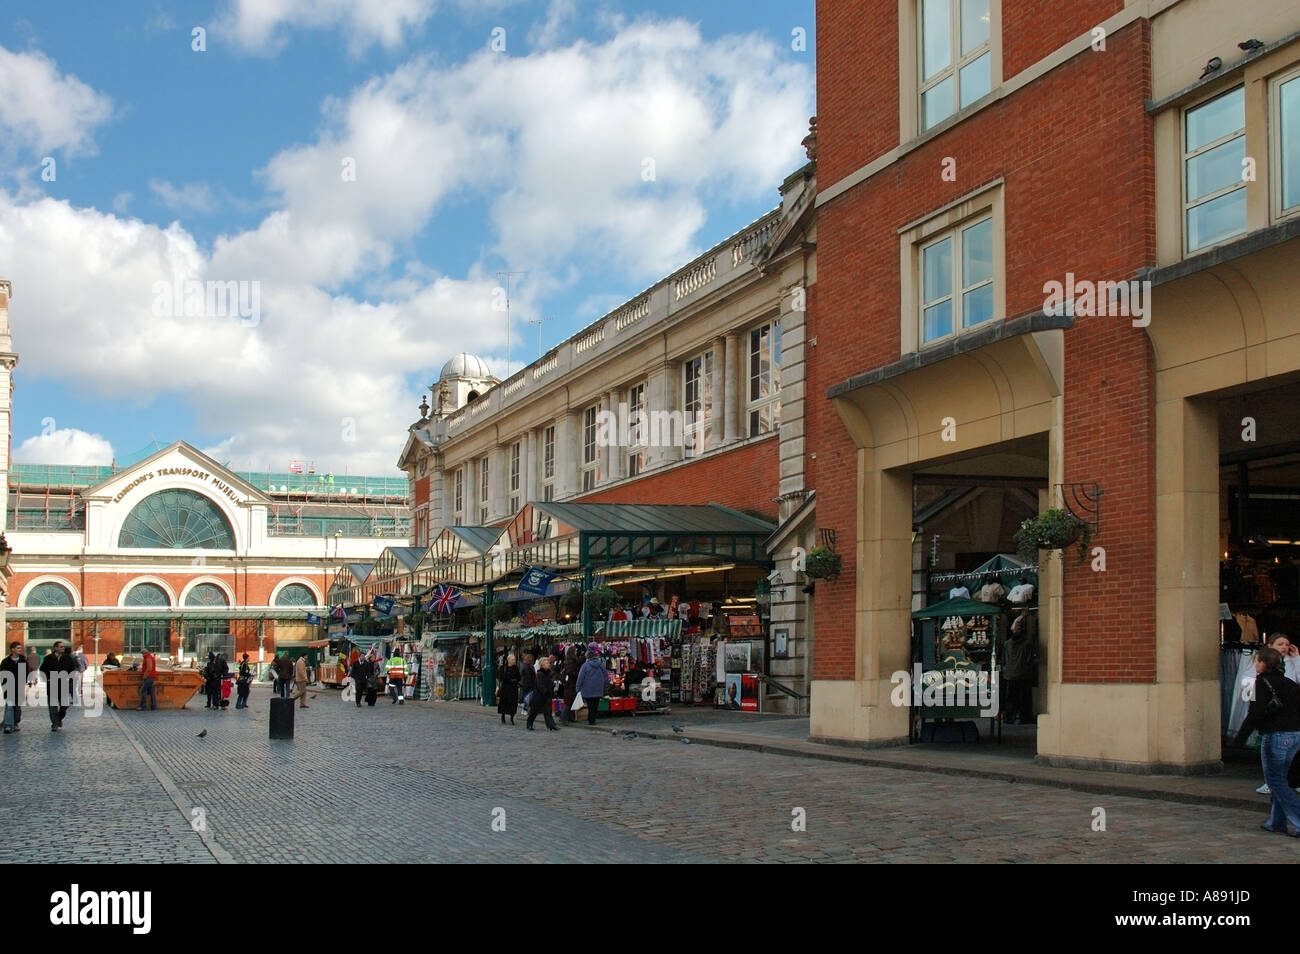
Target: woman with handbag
1275,712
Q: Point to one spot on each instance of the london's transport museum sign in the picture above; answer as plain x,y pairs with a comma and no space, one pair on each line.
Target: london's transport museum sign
203,476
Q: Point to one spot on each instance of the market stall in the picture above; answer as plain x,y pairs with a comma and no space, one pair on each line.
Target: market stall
955,670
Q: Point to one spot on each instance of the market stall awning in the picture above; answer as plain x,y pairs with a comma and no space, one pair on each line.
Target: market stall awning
957,607
1002,568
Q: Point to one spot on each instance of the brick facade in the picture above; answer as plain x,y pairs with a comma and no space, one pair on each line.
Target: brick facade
1078,195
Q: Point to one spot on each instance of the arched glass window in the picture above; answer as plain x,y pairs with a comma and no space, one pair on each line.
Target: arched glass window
44,632
176,520
295,594
141,634
206,594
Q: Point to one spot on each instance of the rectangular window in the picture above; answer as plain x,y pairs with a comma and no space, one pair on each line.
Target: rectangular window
548,463
956,63
957,281
548,492
458,507
515,450
483,466
1287,123
590,452
1214,195
697,403
763,401
637,429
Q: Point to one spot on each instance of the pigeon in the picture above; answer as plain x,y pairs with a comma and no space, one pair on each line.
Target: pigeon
1251,44
1212,66
613,731
686,741
202,735
678,729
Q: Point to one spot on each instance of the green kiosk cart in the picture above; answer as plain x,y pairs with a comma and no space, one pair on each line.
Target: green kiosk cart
954,679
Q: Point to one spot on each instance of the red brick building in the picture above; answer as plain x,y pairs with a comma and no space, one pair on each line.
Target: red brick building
972,153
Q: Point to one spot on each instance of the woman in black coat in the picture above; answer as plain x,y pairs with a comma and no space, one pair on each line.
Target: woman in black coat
571,666
543,695
1275,712
508,692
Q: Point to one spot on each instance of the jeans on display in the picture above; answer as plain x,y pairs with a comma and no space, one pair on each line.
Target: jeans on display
1277,752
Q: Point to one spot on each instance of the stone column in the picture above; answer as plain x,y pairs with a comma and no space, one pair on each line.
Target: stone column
663,408
611,462
530,467
568,453
719,391
733,379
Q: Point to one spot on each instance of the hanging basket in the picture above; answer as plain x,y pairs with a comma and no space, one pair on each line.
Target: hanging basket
1053,529
823,563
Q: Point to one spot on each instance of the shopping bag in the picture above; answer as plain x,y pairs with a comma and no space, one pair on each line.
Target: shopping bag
577,702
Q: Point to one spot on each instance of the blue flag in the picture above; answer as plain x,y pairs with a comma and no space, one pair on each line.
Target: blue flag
383,605
313,619
536,580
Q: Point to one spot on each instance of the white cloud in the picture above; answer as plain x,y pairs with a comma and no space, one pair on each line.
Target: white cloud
559,15
67,446
194,197
43,110
121,202
261,25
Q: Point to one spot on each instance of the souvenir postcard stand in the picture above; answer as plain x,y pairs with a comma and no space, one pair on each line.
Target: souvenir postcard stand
957,640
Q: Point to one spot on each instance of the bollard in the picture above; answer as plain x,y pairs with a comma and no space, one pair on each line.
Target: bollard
281,718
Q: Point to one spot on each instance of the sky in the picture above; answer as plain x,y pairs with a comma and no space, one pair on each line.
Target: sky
362,171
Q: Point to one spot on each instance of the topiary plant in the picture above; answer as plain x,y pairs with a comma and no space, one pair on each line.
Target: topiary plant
601,600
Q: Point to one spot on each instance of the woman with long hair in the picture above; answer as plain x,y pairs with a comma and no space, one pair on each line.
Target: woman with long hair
1275,712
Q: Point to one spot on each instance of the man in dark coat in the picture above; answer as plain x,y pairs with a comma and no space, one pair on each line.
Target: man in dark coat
13,684
508,692
360,671
283,667
572,663
543,696
1019,668
527,681
60,671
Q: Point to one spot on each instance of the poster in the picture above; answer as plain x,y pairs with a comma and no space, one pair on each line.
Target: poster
737,657
732,697
749,692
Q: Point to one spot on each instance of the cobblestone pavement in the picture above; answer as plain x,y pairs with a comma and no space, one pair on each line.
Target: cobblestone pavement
140,784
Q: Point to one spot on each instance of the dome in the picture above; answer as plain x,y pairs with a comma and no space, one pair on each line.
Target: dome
465,365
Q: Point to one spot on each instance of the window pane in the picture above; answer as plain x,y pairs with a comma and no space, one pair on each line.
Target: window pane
1289,139
936,103
977,305
936,37
976,79
1216,169
938,320
977,253
1216,119
974,24
936,267
1216,220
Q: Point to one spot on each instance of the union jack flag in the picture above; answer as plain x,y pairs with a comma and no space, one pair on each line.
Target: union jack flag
337,612
443,599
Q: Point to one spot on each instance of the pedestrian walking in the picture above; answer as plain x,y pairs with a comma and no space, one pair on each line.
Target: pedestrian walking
300,678
508,690
1020,668
243,683
283,667
1291,669
79,657
543,695
572,663
593,679
148,673
1275,712
60,671
33,668
13,683
212,674
361,672
527,681
396,673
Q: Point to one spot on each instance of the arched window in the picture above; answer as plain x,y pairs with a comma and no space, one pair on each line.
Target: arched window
295,594
141,634
206,594
44,632
176,520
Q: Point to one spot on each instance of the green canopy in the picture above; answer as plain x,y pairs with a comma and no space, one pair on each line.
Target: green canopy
1002,568
957,607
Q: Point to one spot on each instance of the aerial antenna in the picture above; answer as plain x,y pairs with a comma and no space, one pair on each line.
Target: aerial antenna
538,322
508,276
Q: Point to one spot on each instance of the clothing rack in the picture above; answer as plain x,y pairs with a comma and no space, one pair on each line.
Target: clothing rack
972,575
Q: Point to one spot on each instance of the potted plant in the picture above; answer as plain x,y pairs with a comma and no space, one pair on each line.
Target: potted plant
601,600
501,612
571,603
823,563
1053,529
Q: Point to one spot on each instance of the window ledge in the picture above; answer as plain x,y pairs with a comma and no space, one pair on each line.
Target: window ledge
1256,241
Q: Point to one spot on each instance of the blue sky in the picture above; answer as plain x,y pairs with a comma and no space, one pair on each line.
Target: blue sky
231,164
